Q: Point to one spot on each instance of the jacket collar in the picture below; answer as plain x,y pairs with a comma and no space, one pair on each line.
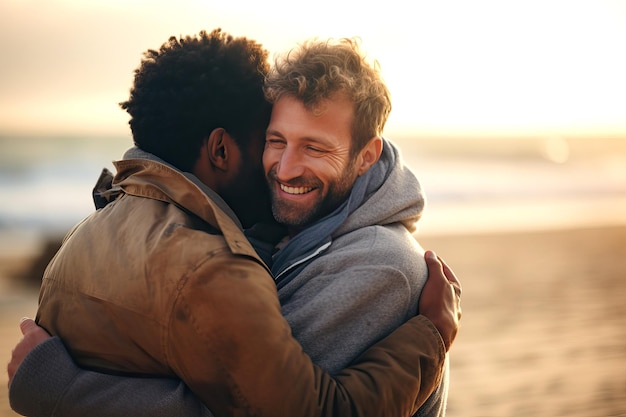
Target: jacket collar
156,180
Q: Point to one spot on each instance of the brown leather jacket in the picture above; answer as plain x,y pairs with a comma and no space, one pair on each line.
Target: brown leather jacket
161,281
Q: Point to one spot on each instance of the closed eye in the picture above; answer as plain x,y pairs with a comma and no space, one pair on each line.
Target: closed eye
313,149
275,142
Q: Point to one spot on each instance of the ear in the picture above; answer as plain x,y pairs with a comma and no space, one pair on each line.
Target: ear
217,149
370,154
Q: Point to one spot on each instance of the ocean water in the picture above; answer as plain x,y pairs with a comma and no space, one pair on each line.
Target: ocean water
46,182
471,185
516,184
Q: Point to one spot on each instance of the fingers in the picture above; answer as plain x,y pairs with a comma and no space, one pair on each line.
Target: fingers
456,284
435,262
439,272
33,335
27,325
451,278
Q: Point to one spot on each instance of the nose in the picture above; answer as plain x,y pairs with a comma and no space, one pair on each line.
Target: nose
290,164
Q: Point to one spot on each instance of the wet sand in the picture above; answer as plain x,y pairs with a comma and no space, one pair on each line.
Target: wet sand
543,332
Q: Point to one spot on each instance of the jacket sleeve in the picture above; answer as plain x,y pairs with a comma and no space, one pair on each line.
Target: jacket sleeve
239,356
48,383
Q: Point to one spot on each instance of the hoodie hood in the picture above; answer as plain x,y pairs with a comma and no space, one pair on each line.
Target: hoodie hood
393,194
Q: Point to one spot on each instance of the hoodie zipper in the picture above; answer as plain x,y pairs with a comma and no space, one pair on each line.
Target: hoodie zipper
305,259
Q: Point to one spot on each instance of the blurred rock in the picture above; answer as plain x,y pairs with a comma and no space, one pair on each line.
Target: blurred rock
34,273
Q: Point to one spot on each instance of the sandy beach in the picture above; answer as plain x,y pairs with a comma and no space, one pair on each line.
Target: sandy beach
543,332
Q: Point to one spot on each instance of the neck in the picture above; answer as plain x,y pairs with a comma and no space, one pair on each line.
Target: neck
292,231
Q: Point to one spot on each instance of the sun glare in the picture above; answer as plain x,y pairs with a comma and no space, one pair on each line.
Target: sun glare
453,67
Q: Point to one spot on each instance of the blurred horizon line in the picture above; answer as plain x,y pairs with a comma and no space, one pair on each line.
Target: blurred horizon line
391,133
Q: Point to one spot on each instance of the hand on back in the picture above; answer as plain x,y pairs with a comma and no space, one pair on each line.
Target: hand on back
440,301
33,335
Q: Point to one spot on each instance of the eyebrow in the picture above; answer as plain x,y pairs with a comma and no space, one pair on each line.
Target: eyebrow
313,139
273,132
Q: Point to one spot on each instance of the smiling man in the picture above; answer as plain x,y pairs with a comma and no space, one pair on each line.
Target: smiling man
308,159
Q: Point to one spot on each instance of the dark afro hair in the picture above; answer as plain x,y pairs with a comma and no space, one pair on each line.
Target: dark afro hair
193,85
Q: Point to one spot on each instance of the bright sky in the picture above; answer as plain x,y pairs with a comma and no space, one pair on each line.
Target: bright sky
533,67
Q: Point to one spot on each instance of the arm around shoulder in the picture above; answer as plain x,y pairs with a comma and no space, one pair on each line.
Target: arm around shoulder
49,383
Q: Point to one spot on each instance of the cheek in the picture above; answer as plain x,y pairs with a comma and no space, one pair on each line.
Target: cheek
331,167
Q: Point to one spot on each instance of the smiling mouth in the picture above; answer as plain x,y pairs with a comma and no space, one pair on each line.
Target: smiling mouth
295,190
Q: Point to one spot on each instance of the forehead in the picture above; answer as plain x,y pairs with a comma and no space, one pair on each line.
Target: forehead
330,120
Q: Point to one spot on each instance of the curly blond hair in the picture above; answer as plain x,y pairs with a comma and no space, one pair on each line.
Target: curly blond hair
317,70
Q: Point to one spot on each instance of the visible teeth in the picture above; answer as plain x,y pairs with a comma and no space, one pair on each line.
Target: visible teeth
295,190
